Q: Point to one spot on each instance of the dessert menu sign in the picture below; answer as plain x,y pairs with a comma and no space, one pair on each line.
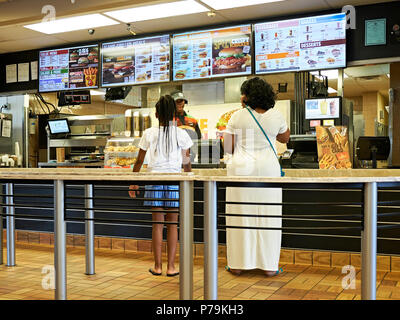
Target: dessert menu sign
212,53
301,44
333,147
68,69
136,61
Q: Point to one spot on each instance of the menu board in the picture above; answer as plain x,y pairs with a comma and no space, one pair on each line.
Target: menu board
136,61
301,44
333,147
70,68
322,108
212,53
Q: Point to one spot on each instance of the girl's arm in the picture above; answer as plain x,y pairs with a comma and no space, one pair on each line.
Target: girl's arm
139,161
187,166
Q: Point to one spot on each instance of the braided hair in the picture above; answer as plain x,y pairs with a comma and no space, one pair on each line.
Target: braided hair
165,108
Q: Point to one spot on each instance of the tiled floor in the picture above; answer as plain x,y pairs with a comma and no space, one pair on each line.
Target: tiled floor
123,276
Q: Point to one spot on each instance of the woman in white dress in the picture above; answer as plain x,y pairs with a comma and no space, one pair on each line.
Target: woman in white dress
252,155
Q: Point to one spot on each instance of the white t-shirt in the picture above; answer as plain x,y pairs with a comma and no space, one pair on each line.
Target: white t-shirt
154,142
249,137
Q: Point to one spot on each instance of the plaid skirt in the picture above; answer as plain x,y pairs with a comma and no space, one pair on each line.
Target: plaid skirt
162,192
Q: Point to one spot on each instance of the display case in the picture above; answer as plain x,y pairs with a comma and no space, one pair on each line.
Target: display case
121,152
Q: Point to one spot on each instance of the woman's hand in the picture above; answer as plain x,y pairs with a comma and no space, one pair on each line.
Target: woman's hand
132,194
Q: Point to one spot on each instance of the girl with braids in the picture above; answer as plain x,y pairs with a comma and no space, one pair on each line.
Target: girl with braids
168,147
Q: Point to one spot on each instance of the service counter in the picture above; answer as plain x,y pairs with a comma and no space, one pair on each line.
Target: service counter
306,192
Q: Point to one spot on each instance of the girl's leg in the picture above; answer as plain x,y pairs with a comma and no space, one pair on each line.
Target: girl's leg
157,238
172,240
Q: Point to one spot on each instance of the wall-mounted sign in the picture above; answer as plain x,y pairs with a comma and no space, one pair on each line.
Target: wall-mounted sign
312,43
212,53
375,32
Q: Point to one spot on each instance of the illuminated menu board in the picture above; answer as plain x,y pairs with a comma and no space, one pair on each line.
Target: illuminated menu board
212,53
136,61
70,68
301,44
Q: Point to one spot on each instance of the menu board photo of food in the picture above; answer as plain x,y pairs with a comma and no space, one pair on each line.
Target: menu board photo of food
212,53
70,68
333,147
136,61
301,44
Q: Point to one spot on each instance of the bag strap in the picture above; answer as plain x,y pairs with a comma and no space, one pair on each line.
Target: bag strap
262,131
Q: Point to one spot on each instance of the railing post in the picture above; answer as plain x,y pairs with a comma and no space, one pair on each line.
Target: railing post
186,240
60,262
210,241
1,225
89,230
369,242
10,222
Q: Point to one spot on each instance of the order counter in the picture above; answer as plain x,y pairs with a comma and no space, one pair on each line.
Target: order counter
307,203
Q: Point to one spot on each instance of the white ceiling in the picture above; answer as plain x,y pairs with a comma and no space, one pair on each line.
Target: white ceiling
14,14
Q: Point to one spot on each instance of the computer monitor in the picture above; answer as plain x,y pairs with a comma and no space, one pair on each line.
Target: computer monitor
323,108
373,148
59,126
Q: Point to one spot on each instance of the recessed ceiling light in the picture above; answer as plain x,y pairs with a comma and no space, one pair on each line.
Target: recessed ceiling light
72,24
227,4
157,11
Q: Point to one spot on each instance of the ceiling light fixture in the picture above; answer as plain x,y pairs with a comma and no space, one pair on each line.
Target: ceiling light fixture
228,4
157,11
85,22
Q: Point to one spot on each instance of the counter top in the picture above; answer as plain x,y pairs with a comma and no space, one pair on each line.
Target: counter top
292,175
71,164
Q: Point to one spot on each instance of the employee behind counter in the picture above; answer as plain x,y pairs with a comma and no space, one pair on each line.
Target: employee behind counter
184,120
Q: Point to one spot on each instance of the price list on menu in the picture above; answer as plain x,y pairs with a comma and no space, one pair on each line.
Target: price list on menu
136,61
301,44
72,68
212,53
54,68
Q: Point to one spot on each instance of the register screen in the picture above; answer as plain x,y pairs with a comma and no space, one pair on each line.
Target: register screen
59,126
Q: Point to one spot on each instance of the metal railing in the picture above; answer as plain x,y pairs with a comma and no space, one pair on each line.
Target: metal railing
91,207
64,211
367,224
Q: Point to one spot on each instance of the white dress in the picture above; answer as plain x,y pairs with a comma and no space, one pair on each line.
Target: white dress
249,248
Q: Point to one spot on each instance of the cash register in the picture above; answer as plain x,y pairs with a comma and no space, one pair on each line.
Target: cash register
303,153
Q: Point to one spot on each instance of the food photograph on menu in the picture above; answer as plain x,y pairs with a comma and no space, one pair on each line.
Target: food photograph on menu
301,44
70,68
212,53
136,61
322,108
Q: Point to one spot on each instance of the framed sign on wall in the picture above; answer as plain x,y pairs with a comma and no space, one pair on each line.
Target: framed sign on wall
375,32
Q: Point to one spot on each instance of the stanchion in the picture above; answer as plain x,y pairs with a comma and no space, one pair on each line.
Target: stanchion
369,242
89,230
10,222
210,241
1,225
60,262
186,240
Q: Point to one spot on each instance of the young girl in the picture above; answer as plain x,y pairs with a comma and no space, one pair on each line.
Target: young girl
168,148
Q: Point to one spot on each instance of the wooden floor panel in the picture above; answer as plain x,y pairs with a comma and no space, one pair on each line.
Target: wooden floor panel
125,276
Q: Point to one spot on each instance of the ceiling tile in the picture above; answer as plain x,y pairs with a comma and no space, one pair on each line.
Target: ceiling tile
31,43
189,22
273,9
